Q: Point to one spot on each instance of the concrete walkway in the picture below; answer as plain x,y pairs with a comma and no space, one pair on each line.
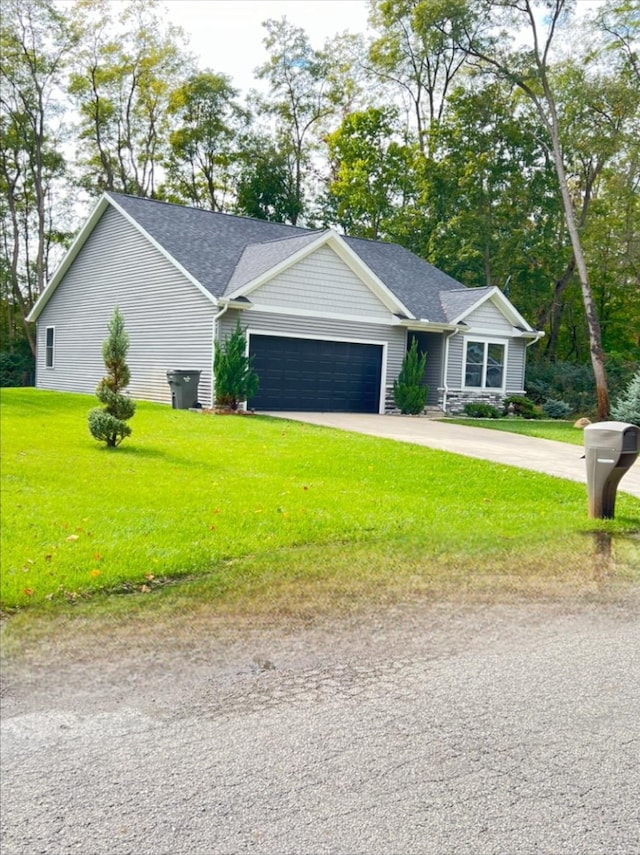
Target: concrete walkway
541,455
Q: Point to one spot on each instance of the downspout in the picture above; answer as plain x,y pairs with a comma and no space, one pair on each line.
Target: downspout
213,350
446,369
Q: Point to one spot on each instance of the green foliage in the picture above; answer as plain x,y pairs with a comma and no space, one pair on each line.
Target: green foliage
556,409
235,379
108,424
480,410
371,171
265,187
627,407
268,504
572,382
205,140
17,365
523,407
409,390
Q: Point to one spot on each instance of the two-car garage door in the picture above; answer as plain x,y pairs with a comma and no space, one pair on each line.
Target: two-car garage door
311,375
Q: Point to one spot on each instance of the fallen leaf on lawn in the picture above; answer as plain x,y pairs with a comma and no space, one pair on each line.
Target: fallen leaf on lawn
28,592
73,537
149,576
95,572
145,589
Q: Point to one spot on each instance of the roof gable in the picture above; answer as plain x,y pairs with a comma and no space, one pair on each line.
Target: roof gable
460,303
293,250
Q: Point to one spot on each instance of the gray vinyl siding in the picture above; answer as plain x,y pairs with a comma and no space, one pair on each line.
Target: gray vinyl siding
321,282
488,317
322,328
169,321
516,355
516,365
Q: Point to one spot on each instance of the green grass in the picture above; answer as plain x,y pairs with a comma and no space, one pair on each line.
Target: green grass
560,431
259,510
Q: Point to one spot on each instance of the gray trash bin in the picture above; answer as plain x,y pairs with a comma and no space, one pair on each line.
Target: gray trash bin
611,449
184,389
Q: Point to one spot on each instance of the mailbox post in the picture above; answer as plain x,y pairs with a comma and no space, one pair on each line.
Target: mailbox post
611,449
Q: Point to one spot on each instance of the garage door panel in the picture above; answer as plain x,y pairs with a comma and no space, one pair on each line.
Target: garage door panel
309,374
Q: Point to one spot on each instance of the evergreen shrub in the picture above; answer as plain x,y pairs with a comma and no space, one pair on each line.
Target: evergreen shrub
109,423
556,409
627,407
523,407
479,410
235,379
409,391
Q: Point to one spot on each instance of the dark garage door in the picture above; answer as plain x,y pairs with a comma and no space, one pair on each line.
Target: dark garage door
309,375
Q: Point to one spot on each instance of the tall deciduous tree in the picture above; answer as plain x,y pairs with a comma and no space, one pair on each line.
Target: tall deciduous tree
371,173
204,141
35,44
420,49
128,64
529,68
298,97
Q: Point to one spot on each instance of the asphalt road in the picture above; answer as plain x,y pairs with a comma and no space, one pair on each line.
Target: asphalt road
432,729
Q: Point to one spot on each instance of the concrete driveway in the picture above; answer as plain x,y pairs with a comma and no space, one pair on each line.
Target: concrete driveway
540,455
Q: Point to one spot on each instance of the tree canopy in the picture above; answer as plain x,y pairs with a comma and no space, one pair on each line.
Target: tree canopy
476,133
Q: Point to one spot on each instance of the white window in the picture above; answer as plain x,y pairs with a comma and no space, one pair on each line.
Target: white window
485,364
50,339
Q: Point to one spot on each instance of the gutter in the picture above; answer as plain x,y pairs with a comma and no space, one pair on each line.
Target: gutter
214,331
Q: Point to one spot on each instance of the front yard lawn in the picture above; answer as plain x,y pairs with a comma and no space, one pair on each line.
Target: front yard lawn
542,429
260,508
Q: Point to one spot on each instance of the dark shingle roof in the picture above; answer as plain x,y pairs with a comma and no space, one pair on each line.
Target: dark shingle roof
460,300
207,244
223,251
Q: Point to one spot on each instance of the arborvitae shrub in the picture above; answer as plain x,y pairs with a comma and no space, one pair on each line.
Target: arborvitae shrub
235,379
409,391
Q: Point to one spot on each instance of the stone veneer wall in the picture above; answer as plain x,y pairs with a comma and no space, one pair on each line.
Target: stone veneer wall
455,401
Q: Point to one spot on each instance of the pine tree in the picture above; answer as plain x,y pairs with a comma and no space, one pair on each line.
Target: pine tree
627,407
236,381
409,391
108,423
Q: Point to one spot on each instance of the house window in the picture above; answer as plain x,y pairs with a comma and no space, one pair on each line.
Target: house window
484,365
49,345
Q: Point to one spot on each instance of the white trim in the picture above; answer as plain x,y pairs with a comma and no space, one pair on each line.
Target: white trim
346,254
53,347
312,313
503,305
486,340
383,344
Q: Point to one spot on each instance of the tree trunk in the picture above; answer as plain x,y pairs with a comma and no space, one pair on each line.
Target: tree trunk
591,311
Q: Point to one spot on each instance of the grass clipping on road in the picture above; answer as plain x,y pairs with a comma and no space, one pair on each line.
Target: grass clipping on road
265,515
